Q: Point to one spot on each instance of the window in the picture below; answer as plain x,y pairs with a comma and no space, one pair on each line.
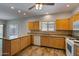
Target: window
51,26
44,26
13,31
48,26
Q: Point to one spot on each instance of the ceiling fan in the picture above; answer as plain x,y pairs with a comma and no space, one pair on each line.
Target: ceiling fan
39,6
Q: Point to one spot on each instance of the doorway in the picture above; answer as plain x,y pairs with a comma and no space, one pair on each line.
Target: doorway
1,38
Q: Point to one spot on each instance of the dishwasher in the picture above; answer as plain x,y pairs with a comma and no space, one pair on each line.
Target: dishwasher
37,40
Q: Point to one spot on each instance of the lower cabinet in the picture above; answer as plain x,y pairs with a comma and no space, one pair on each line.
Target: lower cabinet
15,46
11,47
44,41
25,41
6,47
76,51
55,42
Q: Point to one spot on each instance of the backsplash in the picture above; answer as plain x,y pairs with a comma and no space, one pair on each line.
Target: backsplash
61,32
76,33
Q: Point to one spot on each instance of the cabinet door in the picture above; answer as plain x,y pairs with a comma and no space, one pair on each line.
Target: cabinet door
71,23
76,18
44,40
52,42
60,43
30,26
15,46
76,51
36,25
29,41
62,24
6,47
23,42
33,25
57,42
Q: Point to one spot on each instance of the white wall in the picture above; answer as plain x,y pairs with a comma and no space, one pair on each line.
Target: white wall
55,16
23,23
76,10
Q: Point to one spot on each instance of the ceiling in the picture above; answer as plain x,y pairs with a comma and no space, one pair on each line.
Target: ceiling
6,13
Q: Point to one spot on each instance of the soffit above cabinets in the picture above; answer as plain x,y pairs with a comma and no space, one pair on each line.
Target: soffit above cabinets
7,13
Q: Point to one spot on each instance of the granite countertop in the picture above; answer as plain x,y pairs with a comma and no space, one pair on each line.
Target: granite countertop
13,38
76,42
53,35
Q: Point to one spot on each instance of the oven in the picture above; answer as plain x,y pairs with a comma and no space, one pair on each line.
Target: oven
69,47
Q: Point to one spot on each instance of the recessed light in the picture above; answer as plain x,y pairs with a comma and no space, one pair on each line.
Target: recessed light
19,11
24,14
12,7
67,5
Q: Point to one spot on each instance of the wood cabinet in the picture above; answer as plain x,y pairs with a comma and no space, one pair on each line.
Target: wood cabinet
36,25
6,47
30,26
11,47
15,46
29,40
62,24
76,50
25,41
44,40
55,42
33,25
76,17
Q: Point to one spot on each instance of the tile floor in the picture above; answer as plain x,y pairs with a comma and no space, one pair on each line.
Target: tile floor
41,51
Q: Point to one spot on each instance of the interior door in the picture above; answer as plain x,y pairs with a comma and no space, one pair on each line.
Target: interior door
1,38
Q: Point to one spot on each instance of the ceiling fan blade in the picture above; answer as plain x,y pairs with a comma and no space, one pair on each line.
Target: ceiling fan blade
31,7
48,3
41,3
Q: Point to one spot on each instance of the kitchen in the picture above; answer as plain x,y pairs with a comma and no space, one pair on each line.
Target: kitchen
52,30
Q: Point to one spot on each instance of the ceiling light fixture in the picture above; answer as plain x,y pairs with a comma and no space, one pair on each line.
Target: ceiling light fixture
39,6
24,13
12,7
68,5
19,11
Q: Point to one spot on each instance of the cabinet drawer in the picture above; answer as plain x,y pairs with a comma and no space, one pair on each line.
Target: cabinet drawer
15,46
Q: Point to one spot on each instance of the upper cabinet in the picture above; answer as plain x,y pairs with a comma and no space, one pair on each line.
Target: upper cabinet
43,26
33,25
36,25
30,26
76,17
63,24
